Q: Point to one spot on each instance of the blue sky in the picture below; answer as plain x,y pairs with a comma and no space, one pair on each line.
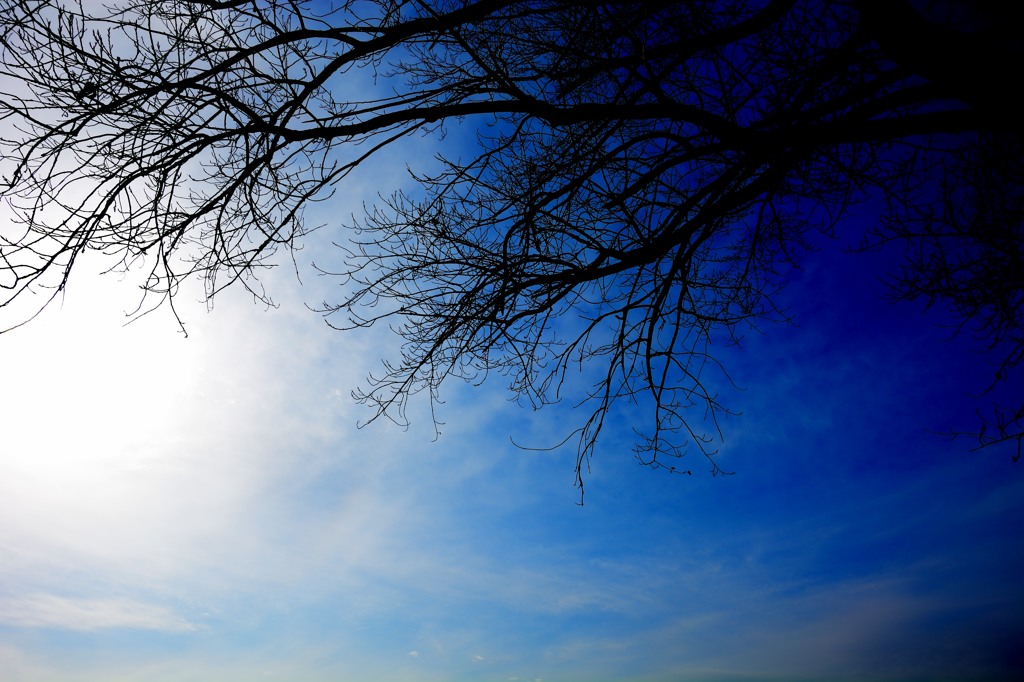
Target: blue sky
204,509
178,509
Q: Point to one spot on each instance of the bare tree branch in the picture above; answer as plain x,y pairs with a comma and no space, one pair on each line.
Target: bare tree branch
645,174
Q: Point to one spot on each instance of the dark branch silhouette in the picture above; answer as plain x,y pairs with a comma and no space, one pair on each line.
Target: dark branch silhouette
645,172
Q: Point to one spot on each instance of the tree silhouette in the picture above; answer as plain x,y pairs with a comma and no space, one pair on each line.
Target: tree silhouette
644,172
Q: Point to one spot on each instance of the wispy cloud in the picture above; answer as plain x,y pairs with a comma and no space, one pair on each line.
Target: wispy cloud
64,613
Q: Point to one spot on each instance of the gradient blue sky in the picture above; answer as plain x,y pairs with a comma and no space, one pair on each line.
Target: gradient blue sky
180,509
204,509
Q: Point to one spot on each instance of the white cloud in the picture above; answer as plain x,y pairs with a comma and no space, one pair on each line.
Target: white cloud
51,611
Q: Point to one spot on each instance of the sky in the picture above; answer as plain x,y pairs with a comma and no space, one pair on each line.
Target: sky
206,508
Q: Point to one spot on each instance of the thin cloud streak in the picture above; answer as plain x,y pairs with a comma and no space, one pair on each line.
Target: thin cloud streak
51,611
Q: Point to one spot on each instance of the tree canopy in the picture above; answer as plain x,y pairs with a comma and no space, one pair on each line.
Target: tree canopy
642,176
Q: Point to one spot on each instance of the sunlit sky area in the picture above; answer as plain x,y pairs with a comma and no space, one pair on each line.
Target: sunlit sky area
205,509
